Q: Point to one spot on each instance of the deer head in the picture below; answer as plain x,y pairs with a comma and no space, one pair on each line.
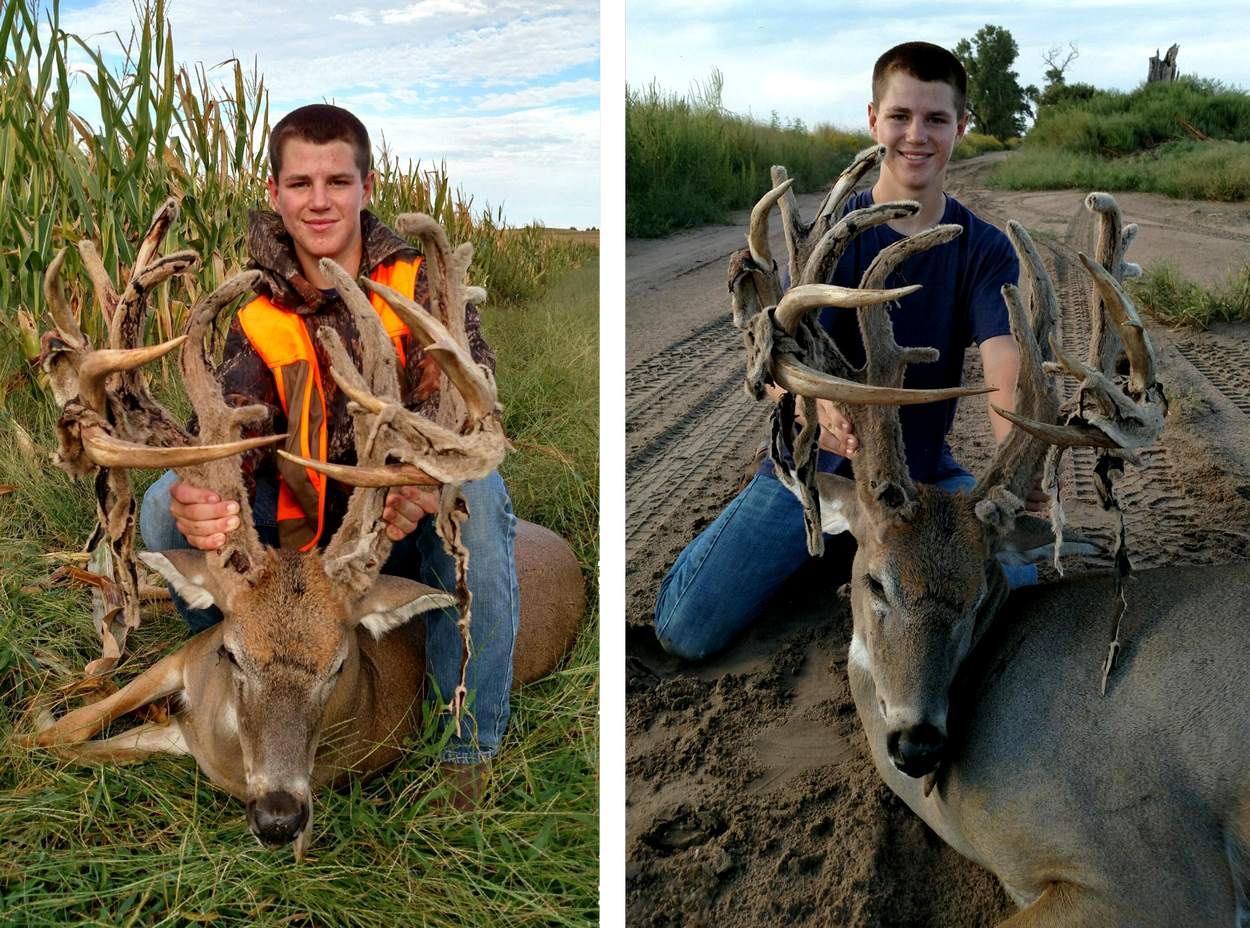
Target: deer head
926,579
290,620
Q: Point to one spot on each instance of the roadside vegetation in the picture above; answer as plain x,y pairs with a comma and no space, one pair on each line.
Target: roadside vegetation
689,161
1169,296
155,843
1188,139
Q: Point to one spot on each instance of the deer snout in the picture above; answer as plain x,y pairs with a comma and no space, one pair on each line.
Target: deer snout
916,750
277,817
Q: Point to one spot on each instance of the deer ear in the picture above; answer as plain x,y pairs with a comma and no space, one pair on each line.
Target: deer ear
392,601
839,504
1028,540
186,571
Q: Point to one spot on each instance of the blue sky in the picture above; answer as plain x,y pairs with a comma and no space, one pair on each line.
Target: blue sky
505,91
813,60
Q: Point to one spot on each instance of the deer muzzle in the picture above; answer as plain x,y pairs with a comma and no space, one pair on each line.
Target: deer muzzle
277,817
916,750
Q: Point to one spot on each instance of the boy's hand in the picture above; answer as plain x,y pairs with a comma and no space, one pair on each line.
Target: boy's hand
837,434
201,516
406,507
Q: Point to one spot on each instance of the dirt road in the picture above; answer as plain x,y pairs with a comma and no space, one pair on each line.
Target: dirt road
751,798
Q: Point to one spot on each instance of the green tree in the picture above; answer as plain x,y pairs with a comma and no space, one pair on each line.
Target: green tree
995,98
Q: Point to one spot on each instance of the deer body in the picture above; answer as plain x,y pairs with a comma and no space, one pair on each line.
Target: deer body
1126,809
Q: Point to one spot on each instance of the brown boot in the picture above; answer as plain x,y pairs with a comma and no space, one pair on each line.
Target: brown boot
466,784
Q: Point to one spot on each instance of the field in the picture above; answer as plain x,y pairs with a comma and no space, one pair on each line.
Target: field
156,843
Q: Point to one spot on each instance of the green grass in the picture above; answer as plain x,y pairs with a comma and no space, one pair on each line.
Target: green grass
1142,141
156,844
1185,170
689,161
1114,123
973,144
1176,300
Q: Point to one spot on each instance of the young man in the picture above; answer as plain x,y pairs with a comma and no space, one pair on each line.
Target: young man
724,578
320,184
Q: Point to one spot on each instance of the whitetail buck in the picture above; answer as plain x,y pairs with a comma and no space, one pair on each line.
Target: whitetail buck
982,710
309,643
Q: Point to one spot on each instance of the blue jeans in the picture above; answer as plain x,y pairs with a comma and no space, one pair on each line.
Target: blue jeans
725,577
490,536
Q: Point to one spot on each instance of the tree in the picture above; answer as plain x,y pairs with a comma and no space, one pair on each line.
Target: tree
995,98
1056,88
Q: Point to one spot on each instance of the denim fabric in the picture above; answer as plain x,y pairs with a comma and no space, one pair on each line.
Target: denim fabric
729,572
489,535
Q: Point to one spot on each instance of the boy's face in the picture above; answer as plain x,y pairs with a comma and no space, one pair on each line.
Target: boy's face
319,197
916,121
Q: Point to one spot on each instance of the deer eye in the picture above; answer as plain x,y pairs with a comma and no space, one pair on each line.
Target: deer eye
224,652
875,586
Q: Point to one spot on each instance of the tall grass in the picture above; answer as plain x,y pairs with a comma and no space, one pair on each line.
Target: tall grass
156,844
1165,293
689,161
1186,170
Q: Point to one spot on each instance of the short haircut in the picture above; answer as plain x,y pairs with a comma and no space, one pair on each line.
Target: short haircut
320,123
925,62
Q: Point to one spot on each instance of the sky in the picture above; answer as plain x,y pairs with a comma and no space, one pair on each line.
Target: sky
812,59
506,92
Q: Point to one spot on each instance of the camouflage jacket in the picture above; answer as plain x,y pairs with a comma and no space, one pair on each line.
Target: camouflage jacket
245,378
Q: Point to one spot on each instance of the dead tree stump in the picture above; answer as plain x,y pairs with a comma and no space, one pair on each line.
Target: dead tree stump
1165,69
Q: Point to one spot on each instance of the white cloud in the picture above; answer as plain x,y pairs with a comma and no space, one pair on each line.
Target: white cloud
428,9
539,96
359,17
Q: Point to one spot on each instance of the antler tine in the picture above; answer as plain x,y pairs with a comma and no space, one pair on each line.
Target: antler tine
380,365
105,294
881,465
243,551
66,324
757,237
799,301
1109,246
801,237
1132,333
842,189
829,249
453,357
1018,457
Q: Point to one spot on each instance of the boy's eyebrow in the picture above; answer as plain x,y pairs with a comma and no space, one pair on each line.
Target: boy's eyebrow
899,108
339,176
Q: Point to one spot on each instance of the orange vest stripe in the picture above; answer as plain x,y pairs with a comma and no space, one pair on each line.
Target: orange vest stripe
281,339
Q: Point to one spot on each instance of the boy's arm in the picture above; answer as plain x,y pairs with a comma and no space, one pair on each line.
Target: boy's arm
1000,359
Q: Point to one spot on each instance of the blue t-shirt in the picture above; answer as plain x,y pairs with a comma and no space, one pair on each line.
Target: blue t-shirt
960,303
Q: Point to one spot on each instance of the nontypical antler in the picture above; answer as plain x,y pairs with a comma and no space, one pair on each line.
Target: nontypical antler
109,420
787,347
395,446
1107,411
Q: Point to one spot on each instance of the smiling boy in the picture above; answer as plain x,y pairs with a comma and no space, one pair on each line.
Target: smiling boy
725,576
319,187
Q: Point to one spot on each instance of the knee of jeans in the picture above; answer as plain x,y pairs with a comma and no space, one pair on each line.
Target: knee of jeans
490,506
668,621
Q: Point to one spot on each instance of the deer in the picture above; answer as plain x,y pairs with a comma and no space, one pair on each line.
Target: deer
1125,804
317,671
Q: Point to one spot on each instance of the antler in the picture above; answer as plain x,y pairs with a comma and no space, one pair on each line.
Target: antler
1107,411
109,420
789,349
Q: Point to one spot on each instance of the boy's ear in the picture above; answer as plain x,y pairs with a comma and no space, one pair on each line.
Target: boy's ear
962,126
872,121
272,185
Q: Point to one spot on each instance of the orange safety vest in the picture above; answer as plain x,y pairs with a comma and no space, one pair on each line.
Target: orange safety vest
282,340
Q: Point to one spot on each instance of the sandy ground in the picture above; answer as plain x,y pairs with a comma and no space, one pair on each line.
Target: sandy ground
751,798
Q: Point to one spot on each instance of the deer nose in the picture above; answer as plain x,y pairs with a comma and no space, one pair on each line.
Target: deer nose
277,817
916,750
